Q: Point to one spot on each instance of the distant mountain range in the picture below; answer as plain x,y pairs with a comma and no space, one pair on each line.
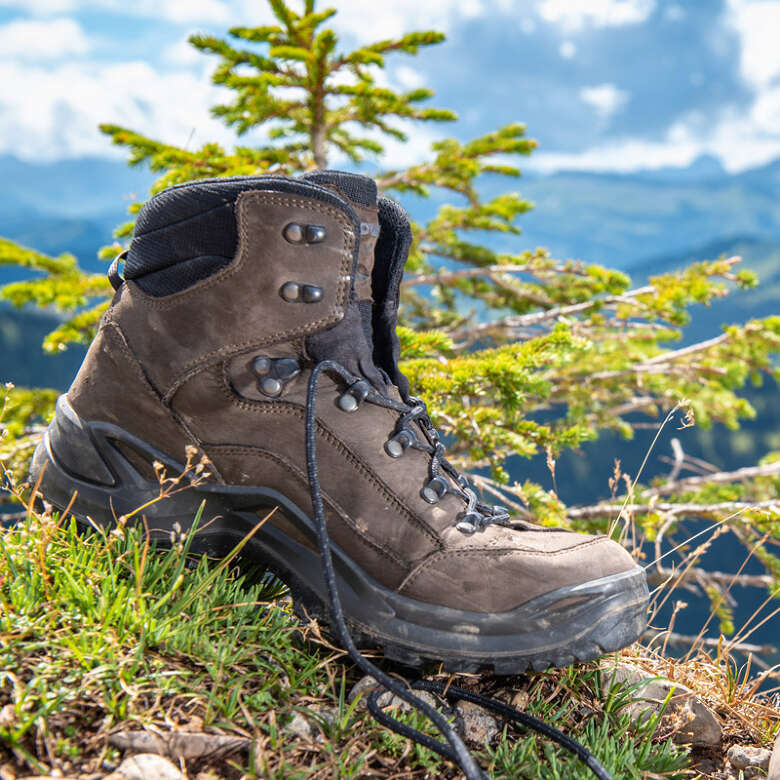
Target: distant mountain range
619,220
623,220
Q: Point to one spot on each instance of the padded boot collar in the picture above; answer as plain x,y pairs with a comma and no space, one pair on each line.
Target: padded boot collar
291,276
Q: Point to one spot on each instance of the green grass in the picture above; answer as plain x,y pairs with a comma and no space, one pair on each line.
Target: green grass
99,632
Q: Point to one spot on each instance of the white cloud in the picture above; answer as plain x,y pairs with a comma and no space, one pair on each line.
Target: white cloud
183,53
356,18
32,39
567,50
740,140
40,7
605,99
739,137
57,113
758,25
527,25
574,15
409,78
674,13
371,21
182,11
178,11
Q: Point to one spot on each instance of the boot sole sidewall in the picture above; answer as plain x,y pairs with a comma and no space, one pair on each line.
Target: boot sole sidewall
574,623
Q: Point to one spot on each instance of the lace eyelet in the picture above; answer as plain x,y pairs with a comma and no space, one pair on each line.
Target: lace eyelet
354,396
435,490
470,522
397,445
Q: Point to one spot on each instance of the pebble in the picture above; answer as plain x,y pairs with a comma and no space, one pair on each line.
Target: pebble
475,724
365,685
694,723
146,766
744,757
310,728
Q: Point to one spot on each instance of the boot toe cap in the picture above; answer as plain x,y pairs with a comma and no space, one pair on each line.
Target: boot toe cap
507,569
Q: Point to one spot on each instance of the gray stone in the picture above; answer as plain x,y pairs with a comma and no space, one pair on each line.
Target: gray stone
365,685
690,720
146,766
310,727
744,757
475,724
774,762
178,744
299,726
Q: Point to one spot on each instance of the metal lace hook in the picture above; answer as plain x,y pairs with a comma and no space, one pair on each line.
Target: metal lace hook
113,270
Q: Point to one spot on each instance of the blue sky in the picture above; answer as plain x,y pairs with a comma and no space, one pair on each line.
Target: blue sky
602,84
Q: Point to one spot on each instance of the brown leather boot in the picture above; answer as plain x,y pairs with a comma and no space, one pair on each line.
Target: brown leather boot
247,299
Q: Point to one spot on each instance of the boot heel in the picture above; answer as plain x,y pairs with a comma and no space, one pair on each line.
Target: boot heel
67,443
84,459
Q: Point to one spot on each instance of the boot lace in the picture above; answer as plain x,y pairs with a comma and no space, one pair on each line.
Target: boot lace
476,516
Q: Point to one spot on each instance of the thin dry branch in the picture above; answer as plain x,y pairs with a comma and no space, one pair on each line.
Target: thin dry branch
721,477
12,517
445,276
684,640
660,575
536,318
602,510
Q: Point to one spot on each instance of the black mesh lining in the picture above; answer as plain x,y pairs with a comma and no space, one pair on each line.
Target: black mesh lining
211,233
359,189
392,249
181,275
188,232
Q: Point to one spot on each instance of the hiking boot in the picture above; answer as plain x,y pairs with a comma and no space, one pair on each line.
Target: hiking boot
248,303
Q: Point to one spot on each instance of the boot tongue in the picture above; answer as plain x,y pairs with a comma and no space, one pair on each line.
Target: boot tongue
361,192
351,341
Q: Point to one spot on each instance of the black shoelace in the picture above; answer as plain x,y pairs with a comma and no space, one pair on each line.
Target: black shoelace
475,516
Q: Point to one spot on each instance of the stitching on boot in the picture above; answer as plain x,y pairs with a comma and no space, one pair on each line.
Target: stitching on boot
170,301
246,449
335,313
281,407
111,326
443,555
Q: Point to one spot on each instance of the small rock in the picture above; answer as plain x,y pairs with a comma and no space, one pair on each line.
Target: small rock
744,757
146,766
310,728
774,762
178,744
363,686
477,726
299,727
367,684
692,721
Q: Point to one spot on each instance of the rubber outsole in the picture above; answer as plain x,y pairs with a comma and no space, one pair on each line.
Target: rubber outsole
571,624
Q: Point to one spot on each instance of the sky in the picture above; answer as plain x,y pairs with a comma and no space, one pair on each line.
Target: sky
607,85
